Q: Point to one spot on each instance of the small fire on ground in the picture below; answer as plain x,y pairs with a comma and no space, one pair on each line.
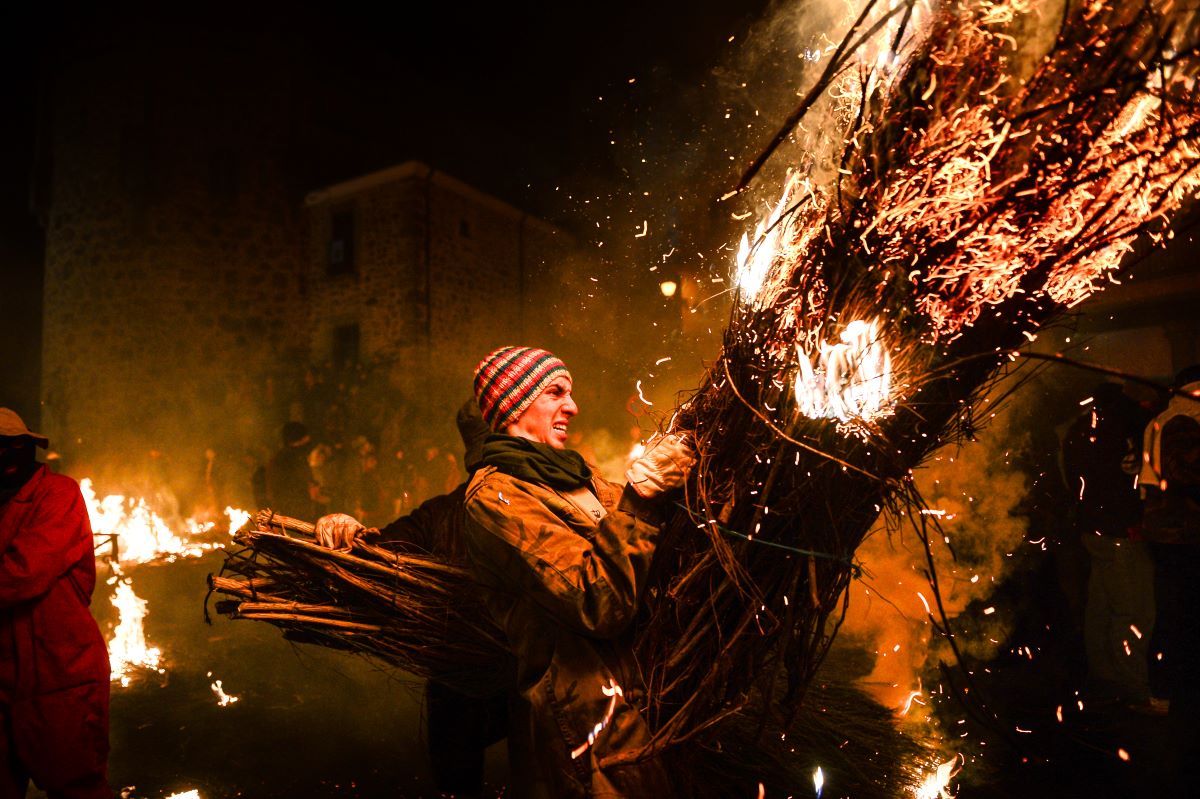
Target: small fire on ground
140,535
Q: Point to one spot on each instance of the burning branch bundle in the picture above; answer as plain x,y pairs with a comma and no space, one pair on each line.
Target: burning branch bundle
412,611
978,188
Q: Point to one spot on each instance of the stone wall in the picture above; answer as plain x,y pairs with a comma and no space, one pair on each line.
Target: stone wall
173,287
442,276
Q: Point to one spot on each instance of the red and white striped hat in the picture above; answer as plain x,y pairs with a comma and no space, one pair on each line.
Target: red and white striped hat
508,381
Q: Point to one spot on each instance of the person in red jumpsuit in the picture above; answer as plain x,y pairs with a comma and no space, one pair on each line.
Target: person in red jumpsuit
54,672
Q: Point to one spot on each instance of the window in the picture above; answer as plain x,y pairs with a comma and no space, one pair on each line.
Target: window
346,339
341,243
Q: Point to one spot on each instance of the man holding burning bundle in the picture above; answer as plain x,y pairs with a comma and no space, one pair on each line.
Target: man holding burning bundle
54,672
565,555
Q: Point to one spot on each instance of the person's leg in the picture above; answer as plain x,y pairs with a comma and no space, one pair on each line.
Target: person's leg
1103,675
14,780
1131,598
1166,620
1184,718
455,730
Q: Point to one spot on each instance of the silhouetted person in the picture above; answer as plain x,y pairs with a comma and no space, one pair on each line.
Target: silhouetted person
1170,480
290,484
54,672
1101,457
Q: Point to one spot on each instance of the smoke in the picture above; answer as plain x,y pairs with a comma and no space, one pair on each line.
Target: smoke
653,208
977,497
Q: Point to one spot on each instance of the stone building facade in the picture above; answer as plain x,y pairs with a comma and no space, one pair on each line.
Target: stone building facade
414,269
173,259
188,273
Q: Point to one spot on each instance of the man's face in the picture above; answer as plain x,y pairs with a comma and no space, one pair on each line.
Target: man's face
16,453
547,418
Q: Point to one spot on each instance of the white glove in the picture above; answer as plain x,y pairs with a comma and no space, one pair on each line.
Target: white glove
663,467
338,531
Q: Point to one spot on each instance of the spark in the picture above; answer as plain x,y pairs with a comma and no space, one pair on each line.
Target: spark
818,781
645,230
612,691
912,697
642,396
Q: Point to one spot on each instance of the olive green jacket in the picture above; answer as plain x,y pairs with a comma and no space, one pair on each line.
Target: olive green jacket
564,573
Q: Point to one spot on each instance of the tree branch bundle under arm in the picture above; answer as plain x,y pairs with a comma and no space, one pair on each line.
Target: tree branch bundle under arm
410,610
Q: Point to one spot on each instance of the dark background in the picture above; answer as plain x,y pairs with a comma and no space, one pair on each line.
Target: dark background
524,101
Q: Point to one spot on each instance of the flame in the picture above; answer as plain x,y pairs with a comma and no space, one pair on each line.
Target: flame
818,781
937,784
849,381
141,534
636,451
128,650
223,699
237,518
755,257
192,794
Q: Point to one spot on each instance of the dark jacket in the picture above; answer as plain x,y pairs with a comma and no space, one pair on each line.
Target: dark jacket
1101,458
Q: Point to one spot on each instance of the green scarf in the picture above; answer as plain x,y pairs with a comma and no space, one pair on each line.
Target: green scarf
535,462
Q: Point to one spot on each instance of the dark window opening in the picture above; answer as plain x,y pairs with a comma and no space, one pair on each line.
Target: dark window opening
346,341
341,243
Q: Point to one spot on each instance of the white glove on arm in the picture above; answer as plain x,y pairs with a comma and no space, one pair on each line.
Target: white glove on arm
664,466
338,531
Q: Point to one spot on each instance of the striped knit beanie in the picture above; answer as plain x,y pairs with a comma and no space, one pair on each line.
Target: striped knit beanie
508,381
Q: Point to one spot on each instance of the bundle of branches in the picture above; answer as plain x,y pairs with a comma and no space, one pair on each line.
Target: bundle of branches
981,185
841,730
414,611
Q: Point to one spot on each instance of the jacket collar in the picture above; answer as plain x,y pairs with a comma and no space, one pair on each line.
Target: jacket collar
26,492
